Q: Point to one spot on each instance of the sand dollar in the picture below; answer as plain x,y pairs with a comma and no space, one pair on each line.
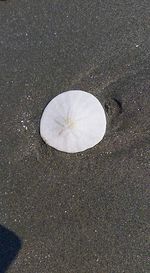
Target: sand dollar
73,121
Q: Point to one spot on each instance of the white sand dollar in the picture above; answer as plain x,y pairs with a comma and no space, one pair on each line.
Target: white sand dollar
73,122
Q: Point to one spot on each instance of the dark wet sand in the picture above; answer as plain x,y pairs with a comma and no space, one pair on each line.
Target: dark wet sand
86,212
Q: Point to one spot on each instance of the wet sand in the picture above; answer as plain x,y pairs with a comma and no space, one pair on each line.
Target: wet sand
85,212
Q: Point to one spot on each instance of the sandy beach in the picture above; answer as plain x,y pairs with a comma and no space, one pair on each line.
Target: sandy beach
85,212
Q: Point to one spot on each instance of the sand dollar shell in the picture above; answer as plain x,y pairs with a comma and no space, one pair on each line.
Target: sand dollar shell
73,122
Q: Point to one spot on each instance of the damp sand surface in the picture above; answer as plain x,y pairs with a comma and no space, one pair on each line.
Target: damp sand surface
85,212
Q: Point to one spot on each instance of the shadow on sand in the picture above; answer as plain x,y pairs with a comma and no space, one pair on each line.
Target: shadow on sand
10,244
